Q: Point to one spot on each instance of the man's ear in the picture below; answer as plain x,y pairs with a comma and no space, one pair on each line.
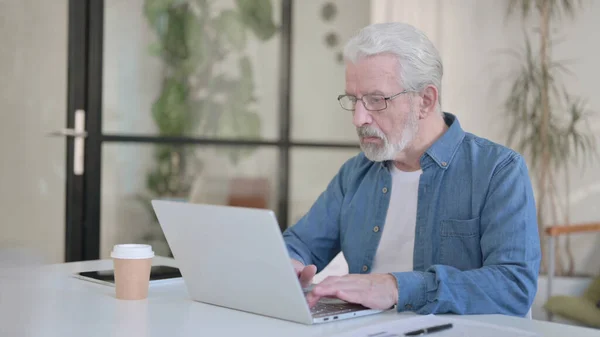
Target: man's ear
429,99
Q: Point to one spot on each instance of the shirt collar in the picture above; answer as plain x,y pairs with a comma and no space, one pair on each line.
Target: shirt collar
443,150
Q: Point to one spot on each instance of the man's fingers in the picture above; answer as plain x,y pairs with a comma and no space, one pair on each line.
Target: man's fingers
349,296
318,293
312,299
336,287
366,290
331,284
298,266
307,274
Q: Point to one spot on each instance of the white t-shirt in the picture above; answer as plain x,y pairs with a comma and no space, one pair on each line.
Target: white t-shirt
395,250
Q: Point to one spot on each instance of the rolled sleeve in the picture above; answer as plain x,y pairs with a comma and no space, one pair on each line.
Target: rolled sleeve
412,290
293,244
295,256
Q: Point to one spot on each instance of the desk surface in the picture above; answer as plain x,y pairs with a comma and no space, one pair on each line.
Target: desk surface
47,301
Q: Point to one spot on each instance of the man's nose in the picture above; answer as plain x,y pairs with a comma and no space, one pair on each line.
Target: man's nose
361,115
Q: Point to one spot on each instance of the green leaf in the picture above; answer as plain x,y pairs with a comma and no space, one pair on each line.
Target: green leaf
230,24
170,111
247,124
246,68
156,12
221,84
237,121
522,6
155,49
195,40
252,125
175,39
238,153
163,153
258,16
208,117
156,182
245,90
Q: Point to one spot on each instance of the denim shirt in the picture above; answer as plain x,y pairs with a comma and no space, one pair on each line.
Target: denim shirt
477,247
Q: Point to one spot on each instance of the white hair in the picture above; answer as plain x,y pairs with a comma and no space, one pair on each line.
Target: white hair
419,61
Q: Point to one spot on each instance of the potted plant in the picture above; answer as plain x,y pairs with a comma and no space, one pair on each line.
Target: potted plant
548,124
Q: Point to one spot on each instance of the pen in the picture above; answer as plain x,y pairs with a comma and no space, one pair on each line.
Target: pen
429,330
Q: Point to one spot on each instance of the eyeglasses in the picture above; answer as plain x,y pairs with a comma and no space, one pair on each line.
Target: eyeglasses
372,102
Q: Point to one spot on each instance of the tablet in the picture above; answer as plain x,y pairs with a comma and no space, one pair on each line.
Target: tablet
158,274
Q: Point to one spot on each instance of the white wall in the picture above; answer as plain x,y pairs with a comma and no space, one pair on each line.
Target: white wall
33,96
468,34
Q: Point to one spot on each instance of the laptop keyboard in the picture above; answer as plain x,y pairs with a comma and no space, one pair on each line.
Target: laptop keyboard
324,308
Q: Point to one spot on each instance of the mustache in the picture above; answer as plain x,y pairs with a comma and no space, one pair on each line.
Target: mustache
367,131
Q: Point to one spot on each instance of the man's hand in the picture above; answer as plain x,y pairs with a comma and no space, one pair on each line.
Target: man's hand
305,273
375,291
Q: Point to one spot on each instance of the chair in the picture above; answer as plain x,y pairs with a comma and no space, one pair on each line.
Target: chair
584,309
249,192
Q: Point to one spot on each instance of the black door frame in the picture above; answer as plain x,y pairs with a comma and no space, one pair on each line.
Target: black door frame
77,79
83,208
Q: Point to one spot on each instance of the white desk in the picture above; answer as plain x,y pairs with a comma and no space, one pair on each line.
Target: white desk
46,301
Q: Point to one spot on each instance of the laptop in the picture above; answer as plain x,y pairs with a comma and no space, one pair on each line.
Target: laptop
235,257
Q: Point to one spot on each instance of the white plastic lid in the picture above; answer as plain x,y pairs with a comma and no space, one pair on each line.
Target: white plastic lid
132,251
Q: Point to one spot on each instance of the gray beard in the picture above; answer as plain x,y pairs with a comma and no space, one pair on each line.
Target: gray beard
387,151
379,153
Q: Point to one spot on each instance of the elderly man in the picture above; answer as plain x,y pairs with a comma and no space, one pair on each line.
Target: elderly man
430,218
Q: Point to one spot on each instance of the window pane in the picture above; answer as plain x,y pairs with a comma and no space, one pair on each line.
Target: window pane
191,173
166,72
311,171
317,72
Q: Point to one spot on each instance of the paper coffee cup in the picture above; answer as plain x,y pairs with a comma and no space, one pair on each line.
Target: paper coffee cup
132,263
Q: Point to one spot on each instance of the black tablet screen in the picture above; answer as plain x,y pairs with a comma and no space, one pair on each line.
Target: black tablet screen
156,273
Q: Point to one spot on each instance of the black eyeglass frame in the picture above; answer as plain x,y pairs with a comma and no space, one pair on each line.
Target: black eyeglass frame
385,98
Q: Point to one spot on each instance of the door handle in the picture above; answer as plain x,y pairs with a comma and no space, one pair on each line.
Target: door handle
68,133
79,134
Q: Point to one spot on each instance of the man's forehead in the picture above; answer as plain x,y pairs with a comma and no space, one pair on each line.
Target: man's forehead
374,66
372,73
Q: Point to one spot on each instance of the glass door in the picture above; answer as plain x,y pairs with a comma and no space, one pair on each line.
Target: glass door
187,109
192,100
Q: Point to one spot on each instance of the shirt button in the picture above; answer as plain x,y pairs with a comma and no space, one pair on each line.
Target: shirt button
376,229
444,164
384,190
408,307
365,268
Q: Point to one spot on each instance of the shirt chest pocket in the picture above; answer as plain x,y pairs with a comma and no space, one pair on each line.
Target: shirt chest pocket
460,244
